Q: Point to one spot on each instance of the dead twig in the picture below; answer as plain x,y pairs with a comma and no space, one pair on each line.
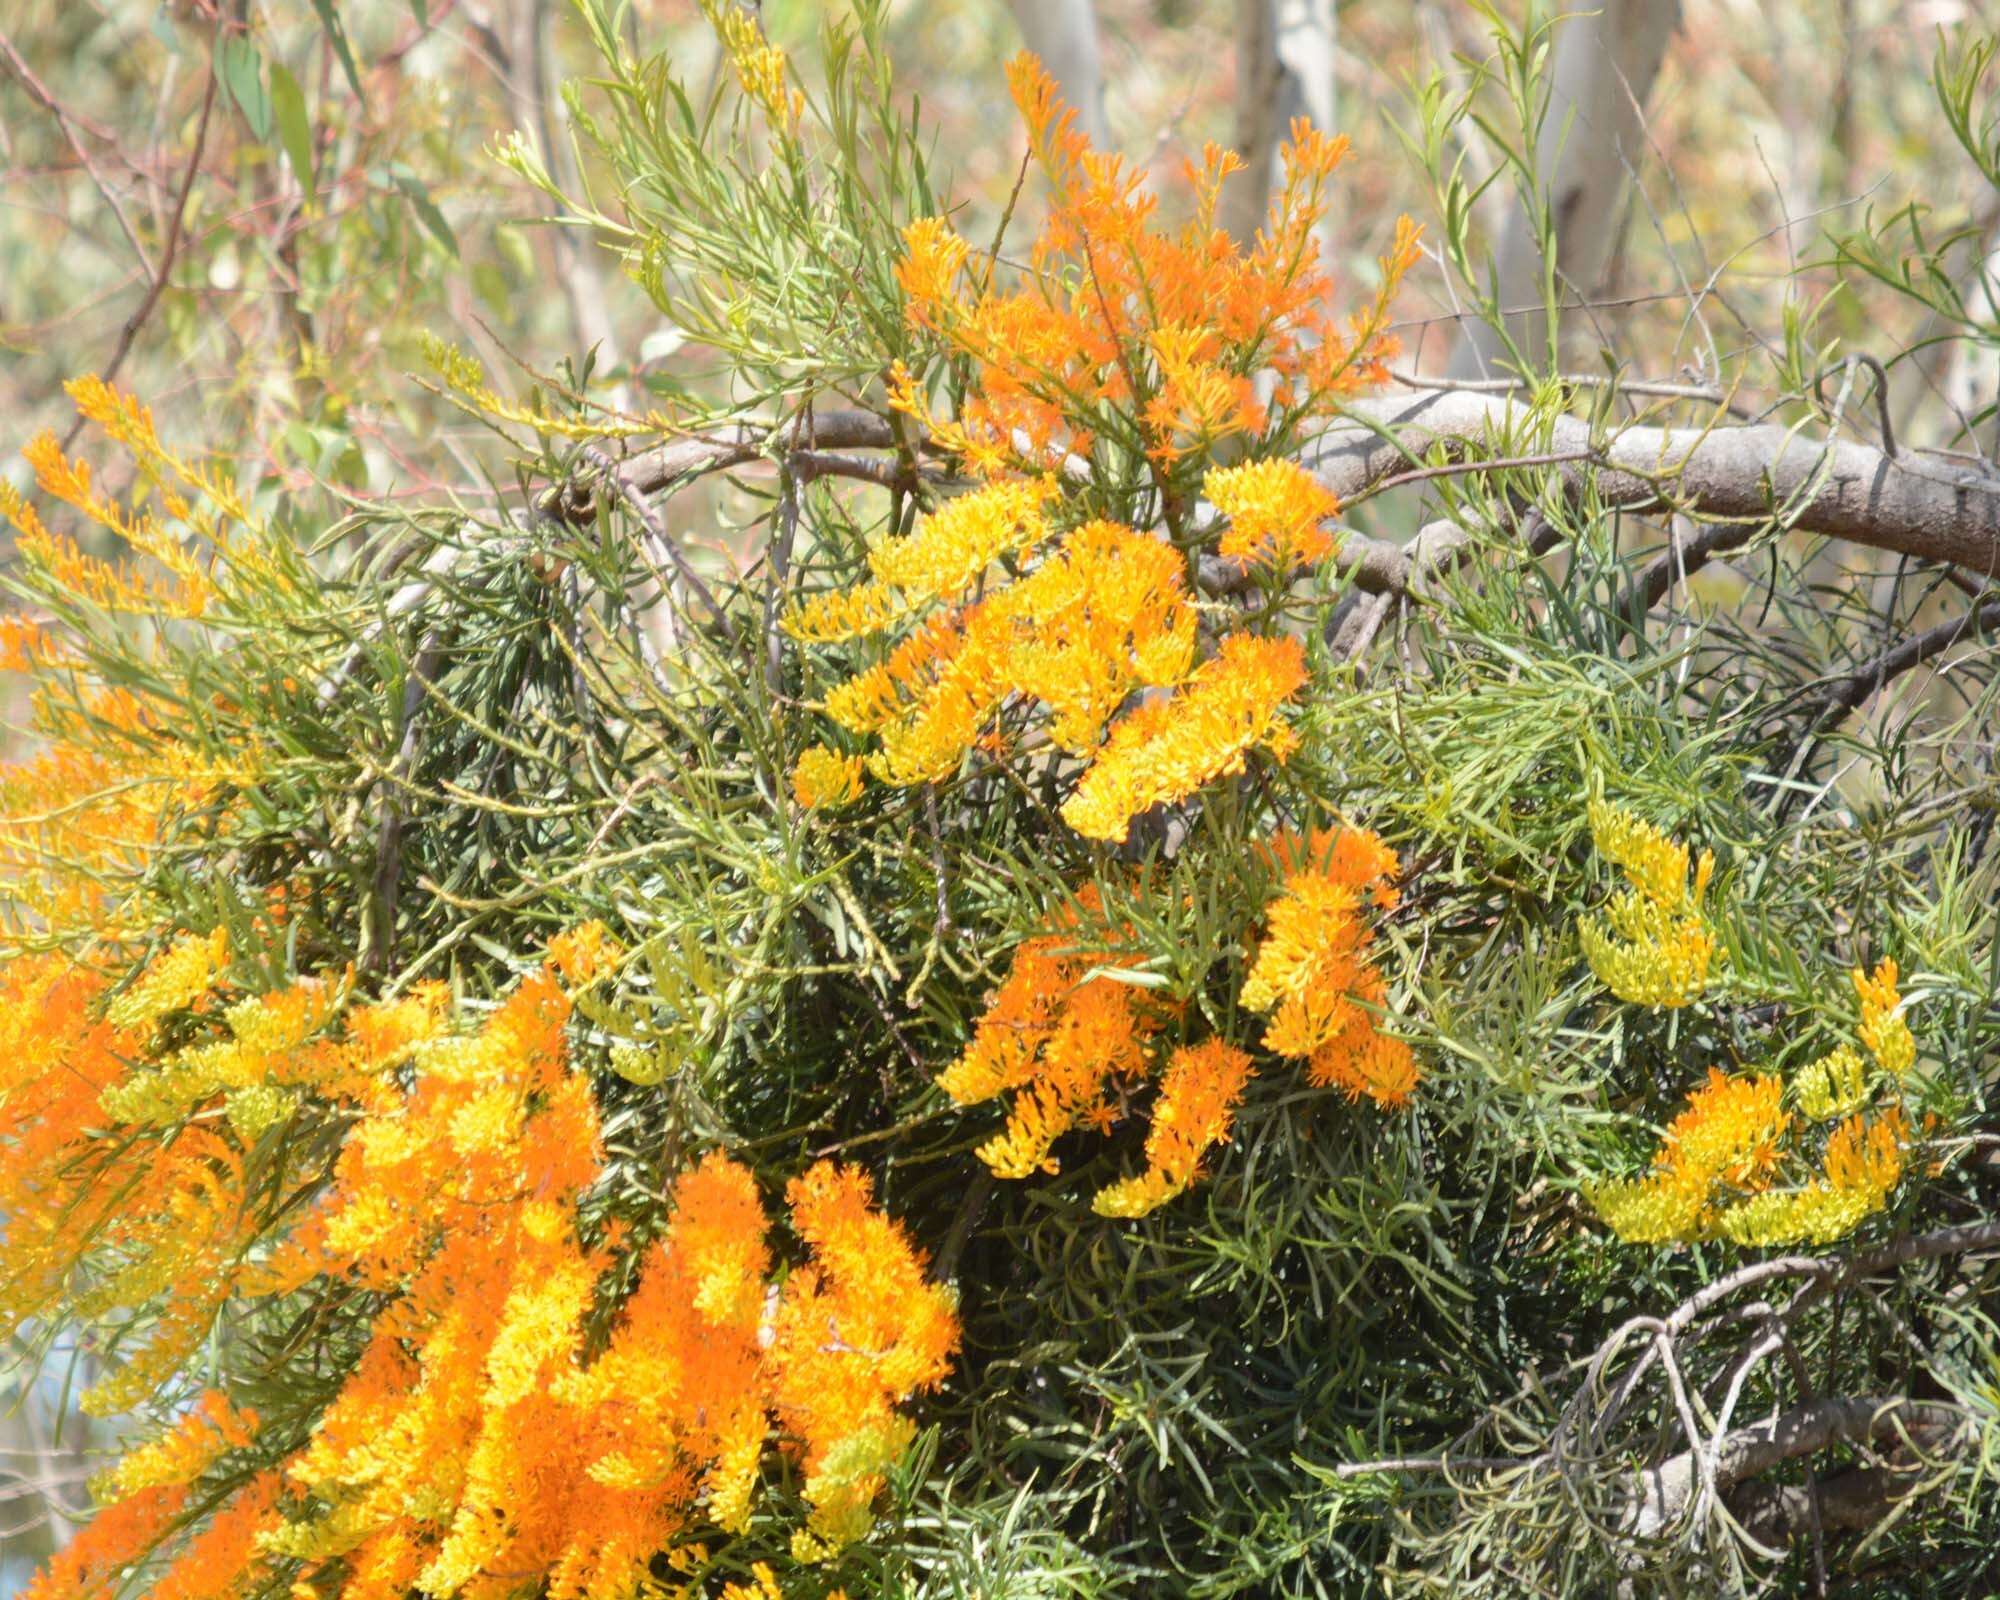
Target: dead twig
164,267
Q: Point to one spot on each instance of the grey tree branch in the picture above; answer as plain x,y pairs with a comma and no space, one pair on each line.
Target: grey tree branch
1916,504
1737,479
1666,1490
734,444
1848,1502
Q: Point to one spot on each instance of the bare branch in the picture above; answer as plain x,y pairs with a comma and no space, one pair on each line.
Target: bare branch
1914,503
168,249
1665,1490
1855,690
66,124
735,443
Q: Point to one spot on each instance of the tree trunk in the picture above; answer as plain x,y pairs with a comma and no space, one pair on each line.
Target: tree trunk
1064,34
1284,69
1606,58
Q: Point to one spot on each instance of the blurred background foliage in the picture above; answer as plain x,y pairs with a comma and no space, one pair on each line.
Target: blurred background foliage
289,320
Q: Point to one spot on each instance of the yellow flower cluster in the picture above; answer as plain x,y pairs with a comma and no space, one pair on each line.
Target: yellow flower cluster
1727,1139
1101,614
1653,946
1863,1164
1717,1172
760,65
824,778
1833,1085
1168,749
1275,511
1199,1093
950,550
1313,971
212,1427
174,979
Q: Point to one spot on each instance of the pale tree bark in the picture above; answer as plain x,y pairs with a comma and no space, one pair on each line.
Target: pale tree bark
1064,34
1607,54
1284,69
536,103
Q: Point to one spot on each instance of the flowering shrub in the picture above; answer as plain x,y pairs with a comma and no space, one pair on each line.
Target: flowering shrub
1126,340
1148,932
1718,1172
471,1437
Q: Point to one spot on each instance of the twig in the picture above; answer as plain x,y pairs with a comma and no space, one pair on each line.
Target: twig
1438,1463
389,841
1639,386
165,265
39,92
1848,364
656,534
1913,652
780,562
1681,560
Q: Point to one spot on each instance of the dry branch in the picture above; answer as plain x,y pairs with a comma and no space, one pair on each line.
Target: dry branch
1915,504
1737,476
1666,1490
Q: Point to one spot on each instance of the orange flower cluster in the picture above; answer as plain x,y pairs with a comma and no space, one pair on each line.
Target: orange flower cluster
1123,324
1199,1092
84,813
1717,1173
96,1223
92,1566
1313,971
1153,343
1067,1037
1063,1036
472,1449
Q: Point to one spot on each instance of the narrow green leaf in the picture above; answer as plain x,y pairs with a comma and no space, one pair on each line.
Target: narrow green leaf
288,107
426,208
242,70
336,31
